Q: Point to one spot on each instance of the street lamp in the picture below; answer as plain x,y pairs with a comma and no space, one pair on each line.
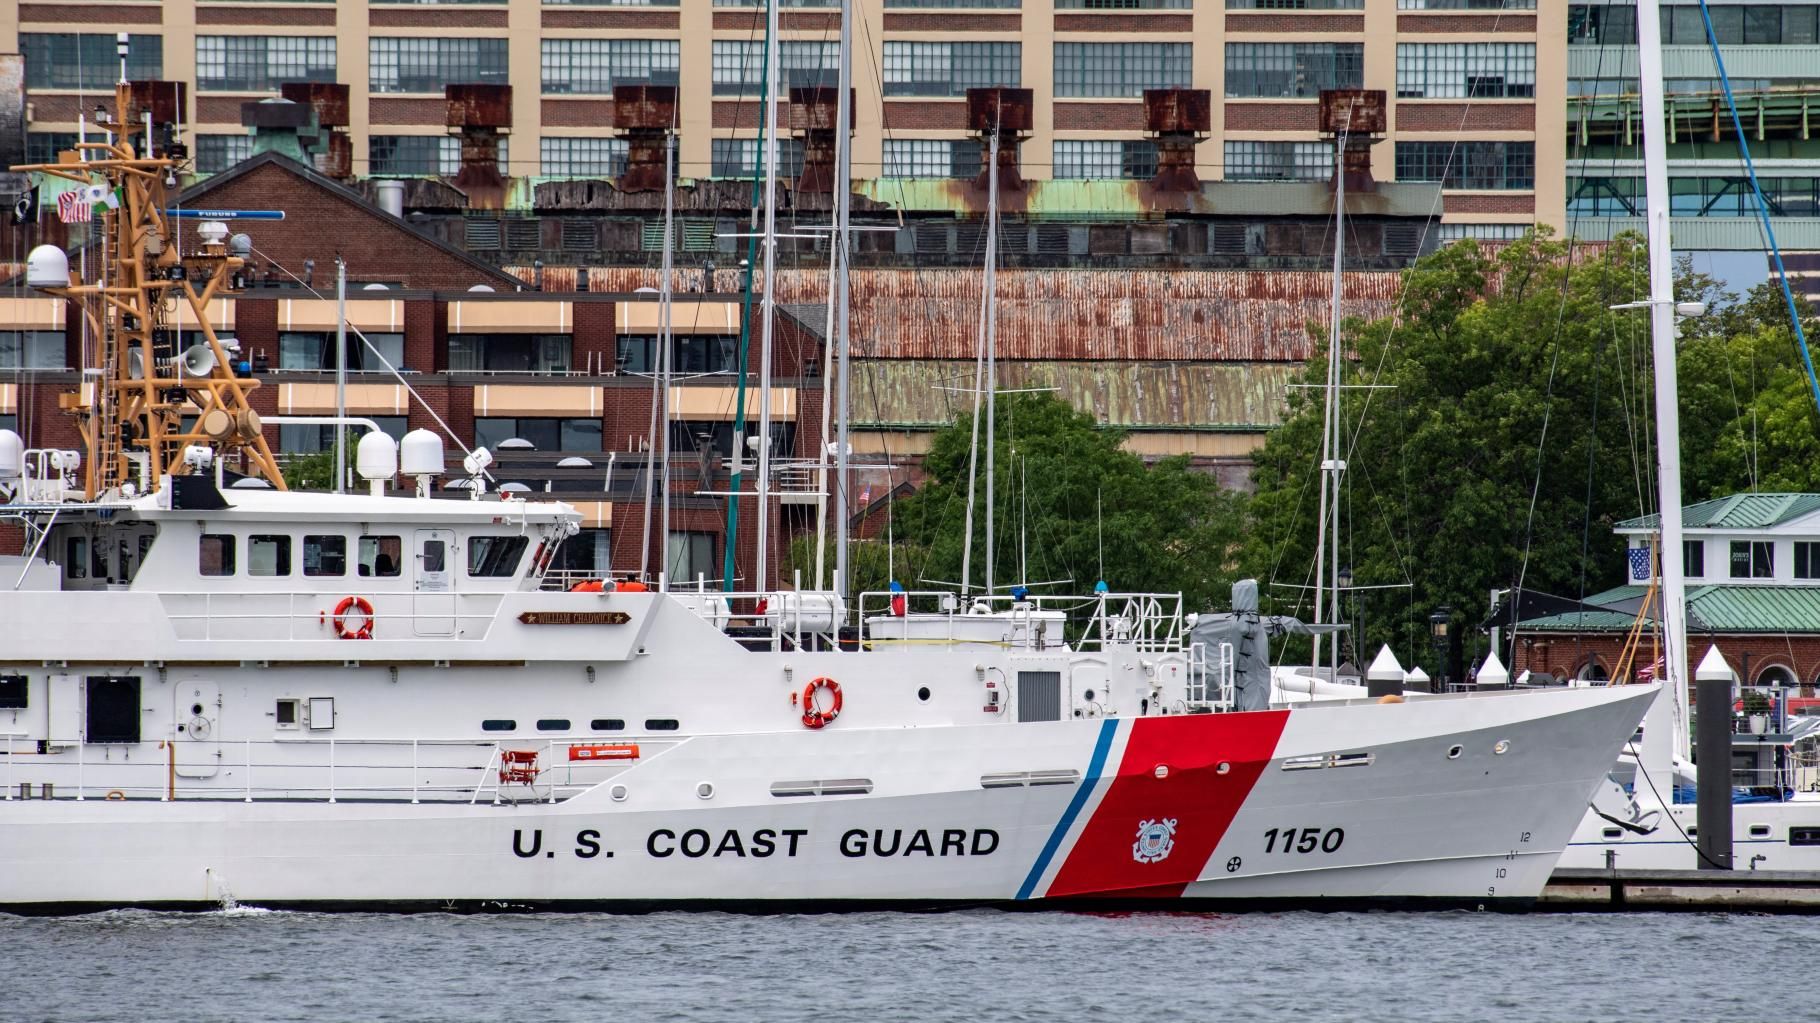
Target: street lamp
1437,633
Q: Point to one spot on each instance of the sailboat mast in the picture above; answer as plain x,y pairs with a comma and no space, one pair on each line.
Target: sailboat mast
768,305
843,203
991,395
1330,475
665,291
1662,347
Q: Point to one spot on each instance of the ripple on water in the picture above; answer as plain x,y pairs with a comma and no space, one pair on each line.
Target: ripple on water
971,966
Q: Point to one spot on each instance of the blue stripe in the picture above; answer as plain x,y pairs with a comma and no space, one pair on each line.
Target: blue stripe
1108,729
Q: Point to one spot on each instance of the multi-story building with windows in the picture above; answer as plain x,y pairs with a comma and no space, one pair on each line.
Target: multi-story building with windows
1770,51
1475,87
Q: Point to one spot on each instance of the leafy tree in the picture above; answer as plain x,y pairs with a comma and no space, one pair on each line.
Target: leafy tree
1073,507
1519,428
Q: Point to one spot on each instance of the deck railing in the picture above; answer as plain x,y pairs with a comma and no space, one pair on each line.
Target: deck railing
322,769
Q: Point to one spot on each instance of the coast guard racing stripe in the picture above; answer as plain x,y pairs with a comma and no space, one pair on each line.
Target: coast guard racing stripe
1109,859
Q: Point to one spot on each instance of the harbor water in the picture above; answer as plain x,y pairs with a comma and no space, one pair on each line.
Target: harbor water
986,965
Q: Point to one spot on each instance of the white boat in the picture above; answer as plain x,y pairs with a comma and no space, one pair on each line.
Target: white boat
211,694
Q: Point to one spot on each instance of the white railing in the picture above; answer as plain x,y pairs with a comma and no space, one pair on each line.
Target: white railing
317,769
249,608
1146,622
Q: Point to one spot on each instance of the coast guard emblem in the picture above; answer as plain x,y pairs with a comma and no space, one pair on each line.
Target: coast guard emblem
1155,840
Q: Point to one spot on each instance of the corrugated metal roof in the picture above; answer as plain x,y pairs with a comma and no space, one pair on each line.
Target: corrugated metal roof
1579,621
1119,315
1720,608
1244,397
1739,511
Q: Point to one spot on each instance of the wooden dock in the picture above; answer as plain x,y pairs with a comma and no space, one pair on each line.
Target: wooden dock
1748,891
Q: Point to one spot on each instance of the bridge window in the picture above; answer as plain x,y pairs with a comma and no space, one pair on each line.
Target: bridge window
12,692
268,555
325,555
495,556
215,554
379,556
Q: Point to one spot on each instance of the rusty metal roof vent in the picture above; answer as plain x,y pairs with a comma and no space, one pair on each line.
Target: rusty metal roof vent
1179,119
333,150
1354,119
645,115
1010,113
480,114
814,112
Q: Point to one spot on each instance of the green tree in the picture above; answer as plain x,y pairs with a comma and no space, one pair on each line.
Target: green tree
1510,381
1072,507
1518,429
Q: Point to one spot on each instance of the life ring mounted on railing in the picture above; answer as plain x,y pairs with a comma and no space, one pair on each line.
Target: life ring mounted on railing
813,715
353,609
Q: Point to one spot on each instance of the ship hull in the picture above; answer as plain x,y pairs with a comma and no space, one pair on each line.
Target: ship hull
1448,801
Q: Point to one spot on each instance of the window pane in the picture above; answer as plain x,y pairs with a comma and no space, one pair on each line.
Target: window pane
325,555
1292,70
68,60
261,63
495,556
268,555
1461,70
379,556
1122,69
427,65
215,554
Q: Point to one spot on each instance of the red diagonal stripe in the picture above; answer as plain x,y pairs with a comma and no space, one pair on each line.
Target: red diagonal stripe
1201,800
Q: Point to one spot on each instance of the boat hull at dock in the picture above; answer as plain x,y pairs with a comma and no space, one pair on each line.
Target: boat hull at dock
1455,800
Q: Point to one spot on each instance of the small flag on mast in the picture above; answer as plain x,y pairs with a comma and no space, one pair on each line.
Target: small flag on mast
73,207
1640,564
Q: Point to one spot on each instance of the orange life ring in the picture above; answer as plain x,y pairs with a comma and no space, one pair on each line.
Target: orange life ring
813,715
340,618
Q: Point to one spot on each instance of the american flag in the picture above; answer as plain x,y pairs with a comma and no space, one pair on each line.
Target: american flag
1639,564
73,208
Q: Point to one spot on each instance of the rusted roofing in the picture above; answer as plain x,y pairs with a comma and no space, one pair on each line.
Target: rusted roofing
1237,396
1113,315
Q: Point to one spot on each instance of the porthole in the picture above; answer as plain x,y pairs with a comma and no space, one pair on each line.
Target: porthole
662,724
1162,771
607,725
1612,833
1088,696
1759,831
196,710
552,724
923,694
1454,751
498,725
705,790
1501,747
618,793
1224,768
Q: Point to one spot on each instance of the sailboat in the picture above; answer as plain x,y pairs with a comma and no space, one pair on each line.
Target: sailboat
1641,825
417,721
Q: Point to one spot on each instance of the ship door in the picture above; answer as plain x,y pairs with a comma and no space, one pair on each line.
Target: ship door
434,583
197,715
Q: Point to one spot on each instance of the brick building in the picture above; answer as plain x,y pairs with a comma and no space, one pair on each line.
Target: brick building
554,384
1476,87
1753,587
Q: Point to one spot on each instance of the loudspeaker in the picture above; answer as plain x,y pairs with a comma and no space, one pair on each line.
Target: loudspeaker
197,361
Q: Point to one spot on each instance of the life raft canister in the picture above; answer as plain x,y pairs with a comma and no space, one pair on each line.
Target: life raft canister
340,619
813,715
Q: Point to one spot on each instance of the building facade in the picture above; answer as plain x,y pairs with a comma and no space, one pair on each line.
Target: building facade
1770,51
1752,563
1476,87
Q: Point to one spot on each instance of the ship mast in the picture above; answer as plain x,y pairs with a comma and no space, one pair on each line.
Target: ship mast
131,406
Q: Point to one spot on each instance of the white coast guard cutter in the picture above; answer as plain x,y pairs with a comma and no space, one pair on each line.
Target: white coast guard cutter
212,693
